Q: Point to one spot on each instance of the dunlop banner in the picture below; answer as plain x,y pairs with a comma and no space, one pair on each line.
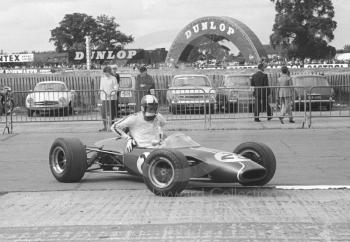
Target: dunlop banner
103,55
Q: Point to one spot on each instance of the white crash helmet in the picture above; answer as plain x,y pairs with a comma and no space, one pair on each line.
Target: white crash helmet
148,102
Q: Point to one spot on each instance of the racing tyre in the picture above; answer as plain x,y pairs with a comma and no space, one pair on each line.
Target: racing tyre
166,172
261,154
68,161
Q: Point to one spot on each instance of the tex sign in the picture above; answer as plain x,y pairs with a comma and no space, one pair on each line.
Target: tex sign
16,58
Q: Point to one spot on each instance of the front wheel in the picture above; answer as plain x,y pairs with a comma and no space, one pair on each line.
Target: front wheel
260,154
67,159
166,172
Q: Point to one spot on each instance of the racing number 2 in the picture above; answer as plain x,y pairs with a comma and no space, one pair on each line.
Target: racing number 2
226,157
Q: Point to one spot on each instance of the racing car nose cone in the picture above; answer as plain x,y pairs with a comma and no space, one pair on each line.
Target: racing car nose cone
252,174
250,171
241,171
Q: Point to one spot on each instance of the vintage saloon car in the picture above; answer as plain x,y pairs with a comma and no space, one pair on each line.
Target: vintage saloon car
127,96
191,92
236,94
312,91
50,96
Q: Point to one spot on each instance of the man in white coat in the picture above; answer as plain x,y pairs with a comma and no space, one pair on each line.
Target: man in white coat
108,95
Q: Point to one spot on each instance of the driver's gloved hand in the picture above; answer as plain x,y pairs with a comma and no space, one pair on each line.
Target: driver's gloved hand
130,144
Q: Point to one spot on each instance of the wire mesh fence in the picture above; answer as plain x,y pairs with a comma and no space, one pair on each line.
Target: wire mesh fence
191,104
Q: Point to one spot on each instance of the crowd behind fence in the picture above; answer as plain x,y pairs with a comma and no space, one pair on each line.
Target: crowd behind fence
91,81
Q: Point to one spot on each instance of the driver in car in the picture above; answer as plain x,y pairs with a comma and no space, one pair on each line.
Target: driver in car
144,128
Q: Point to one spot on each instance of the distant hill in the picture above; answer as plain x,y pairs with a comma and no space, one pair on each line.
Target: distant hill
159,39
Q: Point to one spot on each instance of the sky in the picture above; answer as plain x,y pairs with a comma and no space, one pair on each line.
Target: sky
25,24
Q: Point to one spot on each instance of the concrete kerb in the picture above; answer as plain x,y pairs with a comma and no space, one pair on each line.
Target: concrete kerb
185,125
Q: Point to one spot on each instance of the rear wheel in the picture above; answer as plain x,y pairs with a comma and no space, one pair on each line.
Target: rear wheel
166,172
260,154
67,159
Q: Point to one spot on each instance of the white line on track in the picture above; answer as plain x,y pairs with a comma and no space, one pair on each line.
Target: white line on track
312,187
206,184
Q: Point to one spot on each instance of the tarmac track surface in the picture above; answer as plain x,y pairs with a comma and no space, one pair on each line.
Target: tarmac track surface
35,207
304,157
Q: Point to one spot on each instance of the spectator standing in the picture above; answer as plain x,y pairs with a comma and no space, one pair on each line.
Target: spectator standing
145,84
108,96
116,75
285,94
261,93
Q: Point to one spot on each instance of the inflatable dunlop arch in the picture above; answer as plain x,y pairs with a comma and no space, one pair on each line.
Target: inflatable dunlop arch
226,27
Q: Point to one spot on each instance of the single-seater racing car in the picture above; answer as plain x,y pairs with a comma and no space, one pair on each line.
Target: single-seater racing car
168,167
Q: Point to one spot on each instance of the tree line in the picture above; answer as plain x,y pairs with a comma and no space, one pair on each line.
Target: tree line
72,30
302,29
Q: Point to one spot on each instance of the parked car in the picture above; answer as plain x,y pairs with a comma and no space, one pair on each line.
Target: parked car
314,90
191,92
236,94
127,96
48,97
